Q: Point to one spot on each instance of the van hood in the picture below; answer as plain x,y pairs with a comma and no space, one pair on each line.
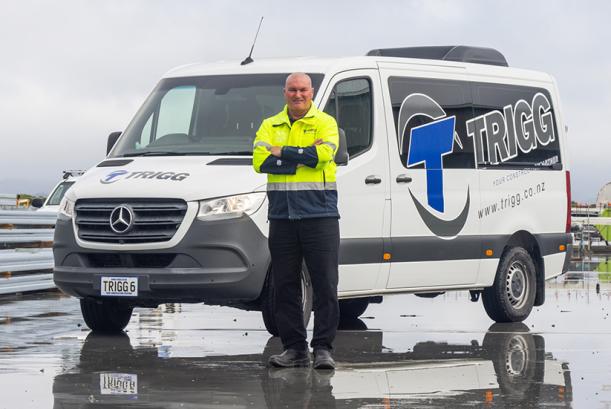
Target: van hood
189,178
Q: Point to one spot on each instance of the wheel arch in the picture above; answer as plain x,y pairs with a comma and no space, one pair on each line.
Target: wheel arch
529,242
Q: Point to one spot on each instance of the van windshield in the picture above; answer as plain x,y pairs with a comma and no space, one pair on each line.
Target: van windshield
208,115
58,194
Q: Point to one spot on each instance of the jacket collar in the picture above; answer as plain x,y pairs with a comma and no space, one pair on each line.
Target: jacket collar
282,117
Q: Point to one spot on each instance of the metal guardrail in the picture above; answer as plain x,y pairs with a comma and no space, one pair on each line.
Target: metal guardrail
27,218
26,235
604,221
33,282
26,261
12,261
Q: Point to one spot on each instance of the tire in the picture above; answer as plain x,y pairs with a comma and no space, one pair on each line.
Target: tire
512,295
268,301
518,362
351,309
105,316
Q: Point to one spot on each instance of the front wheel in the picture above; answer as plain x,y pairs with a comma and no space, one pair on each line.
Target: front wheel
268,301
105,315
511,297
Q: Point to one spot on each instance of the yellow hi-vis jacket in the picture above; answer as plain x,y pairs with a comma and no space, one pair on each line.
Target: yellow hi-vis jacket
301,183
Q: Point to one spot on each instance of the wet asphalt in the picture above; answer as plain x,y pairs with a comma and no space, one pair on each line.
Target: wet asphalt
406,352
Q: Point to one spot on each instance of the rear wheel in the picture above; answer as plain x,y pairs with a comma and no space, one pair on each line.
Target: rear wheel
268,302
352,308
511,297
105,315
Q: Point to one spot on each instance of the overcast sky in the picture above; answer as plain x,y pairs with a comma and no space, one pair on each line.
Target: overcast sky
71,72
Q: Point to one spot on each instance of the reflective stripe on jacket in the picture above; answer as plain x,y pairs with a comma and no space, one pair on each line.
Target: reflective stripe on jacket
301,183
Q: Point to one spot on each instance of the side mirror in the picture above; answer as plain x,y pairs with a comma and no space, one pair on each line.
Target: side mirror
112,139
37,203
341,156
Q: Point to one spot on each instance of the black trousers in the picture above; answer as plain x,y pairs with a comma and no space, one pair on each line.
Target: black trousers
317,242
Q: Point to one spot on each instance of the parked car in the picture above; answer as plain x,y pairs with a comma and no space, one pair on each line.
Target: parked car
51,203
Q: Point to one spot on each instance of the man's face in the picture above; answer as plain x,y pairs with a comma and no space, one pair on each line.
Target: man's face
298,93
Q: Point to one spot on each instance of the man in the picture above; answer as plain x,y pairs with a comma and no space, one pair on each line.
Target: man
296,148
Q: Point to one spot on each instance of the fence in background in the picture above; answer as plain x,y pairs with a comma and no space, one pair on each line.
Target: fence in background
26,259
590,227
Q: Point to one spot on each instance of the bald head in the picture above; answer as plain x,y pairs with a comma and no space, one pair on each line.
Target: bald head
298,94
299,76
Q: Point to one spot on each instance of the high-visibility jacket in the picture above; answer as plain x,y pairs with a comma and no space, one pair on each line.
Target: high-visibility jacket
301,183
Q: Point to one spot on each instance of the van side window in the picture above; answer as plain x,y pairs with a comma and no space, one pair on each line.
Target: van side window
515,127
146,134
425,101
350,105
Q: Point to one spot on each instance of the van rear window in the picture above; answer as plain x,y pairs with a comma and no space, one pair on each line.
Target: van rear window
514,126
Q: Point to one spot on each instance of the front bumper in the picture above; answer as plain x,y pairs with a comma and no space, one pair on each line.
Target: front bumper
218,262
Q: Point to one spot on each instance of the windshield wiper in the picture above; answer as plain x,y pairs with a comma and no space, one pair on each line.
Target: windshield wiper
174,153
249,153
153,153
208,153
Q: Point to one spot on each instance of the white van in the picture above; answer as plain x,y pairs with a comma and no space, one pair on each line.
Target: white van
457,179
52,202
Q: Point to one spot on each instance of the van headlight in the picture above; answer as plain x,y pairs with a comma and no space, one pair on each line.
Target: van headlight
230,207
66,207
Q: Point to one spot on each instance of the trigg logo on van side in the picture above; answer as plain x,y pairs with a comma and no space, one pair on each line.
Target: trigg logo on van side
497,137
428,144
117,175
520,127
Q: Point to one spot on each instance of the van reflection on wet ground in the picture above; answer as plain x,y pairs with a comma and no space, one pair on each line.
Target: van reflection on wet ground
511,368
405,352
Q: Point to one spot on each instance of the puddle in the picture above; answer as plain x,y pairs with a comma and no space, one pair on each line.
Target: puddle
405,352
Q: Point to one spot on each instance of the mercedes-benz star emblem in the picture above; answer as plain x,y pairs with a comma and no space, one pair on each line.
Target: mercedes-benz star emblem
121,219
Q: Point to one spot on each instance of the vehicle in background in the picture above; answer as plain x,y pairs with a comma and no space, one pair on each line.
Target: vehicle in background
51,204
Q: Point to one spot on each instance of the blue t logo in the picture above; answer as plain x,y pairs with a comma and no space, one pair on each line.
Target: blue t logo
428,144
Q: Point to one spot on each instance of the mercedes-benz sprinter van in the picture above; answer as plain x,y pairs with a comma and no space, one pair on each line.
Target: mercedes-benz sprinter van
457,179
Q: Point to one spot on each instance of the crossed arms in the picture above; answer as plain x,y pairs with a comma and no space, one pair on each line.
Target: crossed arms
284,160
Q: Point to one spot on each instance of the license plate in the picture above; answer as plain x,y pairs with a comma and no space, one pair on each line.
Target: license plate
119,286
118,384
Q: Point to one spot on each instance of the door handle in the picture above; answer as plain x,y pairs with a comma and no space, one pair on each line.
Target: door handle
373,180
403,179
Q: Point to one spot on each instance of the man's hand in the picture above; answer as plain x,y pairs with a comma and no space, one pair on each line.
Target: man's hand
276,151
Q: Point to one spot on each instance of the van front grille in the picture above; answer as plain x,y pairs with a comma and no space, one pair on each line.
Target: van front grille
142,220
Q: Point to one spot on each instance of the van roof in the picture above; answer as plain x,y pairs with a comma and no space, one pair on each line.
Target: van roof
338,64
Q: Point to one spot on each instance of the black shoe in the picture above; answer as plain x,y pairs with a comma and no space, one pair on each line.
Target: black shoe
323,359
290,358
